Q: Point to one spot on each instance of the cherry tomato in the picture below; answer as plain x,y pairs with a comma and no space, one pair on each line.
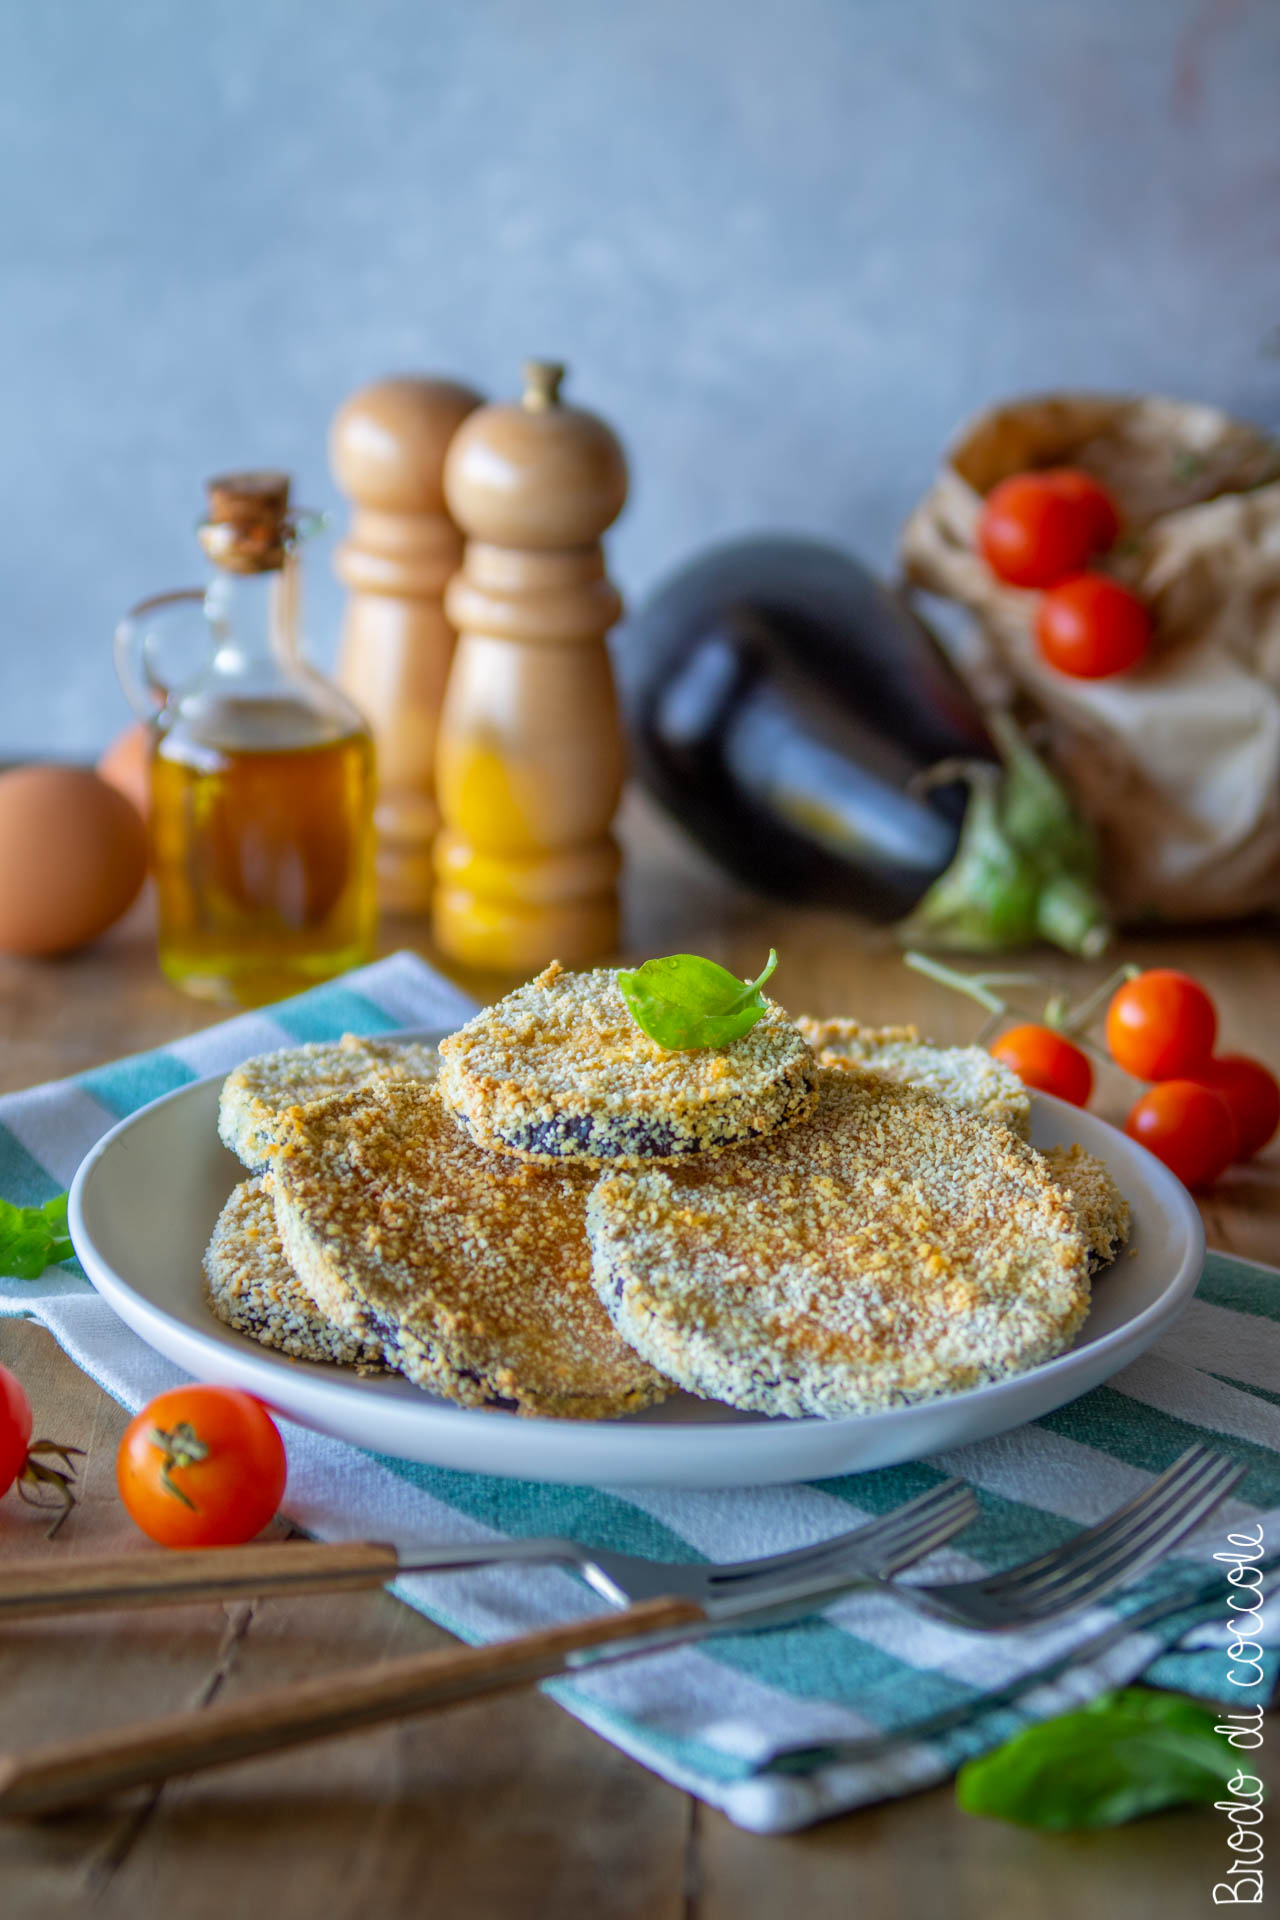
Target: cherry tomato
15,1428
1032,533
1090,497
1187,1126
1253,1095
1048,1061
1091,627
1161,1026
201,1467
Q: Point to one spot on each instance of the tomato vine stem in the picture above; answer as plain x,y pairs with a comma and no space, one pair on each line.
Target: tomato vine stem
182,1447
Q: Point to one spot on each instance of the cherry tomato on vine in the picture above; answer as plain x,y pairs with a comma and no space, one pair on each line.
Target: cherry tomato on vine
1090,627
1090,497
1161,1026
1253,1095
201,1467
42,1470
1048,1061
1187,1126
15,1428
1031,532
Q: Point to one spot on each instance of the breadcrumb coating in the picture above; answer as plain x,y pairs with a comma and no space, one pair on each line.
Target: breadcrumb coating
257,1095
969,1077
475,1265
252,1287
965,1076
1101,1209
894,1249
560,1071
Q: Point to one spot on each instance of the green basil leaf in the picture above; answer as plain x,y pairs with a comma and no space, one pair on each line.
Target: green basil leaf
33,1238
1127,1753
684,1001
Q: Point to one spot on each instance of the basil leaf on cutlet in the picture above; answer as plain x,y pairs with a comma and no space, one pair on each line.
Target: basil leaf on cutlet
684,1001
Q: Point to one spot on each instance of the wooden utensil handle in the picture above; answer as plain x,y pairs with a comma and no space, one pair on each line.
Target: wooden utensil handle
74,1772
57,1584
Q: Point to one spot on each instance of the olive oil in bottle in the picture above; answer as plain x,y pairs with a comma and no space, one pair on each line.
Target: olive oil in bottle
262,774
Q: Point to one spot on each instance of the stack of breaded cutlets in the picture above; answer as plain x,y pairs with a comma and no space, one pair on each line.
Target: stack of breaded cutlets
557,1215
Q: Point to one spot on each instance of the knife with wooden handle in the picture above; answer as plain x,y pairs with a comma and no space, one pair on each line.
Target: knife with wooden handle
74,1772
34,1589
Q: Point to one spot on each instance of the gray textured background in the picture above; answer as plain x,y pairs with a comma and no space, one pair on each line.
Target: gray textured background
785,247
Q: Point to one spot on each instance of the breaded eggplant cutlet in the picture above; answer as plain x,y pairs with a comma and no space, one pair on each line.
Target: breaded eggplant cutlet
252,1287
1101,1209
560,1071
966,1077
894,1249
474,1267
256,1097
970,1078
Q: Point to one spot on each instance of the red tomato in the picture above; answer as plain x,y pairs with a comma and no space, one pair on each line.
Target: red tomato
1187,1126
1253,1095
1091,627
1048,1061
1161,1026
1091,498
15,1428
201,1467
1031,533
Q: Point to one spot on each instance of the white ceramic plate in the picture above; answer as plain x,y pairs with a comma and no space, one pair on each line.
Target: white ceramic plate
145,1199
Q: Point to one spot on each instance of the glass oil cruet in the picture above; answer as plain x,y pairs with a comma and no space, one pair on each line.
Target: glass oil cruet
262,772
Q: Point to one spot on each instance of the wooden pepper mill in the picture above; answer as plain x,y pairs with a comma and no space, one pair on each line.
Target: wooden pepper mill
386,448
529,759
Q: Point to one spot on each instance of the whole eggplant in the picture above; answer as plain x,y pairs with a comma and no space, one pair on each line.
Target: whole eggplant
781,703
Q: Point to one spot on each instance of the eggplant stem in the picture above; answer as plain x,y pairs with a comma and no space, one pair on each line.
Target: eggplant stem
943,773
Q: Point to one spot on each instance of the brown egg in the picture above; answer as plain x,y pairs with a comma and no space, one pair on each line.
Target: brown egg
126,765
73,854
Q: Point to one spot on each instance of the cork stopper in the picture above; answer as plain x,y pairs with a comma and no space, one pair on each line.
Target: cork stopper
536,473
246,528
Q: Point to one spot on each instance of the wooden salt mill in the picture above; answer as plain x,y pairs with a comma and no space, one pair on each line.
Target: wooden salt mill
529,758
386,448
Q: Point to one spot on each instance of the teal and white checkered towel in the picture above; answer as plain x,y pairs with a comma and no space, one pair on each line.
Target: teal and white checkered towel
916,1696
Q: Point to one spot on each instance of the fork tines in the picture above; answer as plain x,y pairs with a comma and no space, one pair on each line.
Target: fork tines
1120,1546
901,1537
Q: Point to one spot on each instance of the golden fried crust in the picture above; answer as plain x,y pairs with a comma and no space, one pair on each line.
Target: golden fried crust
965,1076
560,1071
1100,1208
252,1287
257,1095
969,1077
476,1267
893,1250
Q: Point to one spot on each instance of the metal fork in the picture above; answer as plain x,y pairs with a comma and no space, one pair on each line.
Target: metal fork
1073,1576
878,1549
77,1771
1064,1580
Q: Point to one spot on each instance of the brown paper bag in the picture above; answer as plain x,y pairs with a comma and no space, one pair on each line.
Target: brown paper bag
1176,764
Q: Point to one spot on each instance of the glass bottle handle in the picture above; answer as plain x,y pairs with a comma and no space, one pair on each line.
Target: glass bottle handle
146,692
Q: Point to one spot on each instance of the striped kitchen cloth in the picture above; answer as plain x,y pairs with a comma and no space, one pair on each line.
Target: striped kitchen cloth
913,1697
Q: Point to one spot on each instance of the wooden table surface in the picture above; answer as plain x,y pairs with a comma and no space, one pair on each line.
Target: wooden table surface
511,1808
